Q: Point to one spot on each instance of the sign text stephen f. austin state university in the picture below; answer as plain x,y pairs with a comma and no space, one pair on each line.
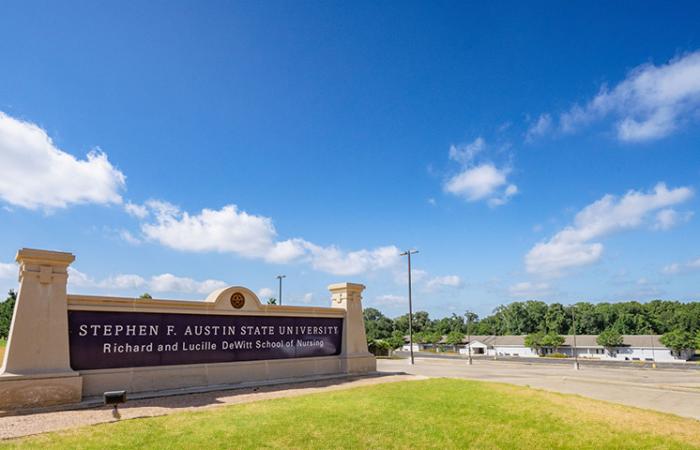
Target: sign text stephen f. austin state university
101,340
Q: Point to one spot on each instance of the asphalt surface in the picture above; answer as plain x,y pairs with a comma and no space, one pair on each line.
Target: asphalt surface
691,365
669,390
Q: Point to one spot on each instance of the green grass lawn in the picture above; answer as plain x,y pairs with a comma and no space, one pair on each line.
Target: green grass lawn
435,413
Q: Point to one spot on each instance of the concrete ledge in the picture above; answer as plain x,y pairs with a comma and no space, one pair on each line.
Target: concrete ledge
360,363
164,378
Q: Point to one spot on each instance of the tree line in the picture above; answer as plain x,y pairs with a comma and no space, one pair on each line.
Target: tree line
6,309
679,322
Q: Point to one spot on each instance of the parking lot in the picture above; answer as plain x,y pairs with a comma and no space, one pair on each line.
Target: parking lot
670,390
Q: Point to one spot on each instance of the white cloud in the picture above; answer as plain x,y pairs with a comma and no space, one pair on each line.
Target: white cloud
478,180
483,182
541,127
672,269
77,278
439,282
686,267
650,103
8,271
36,174
286,251
138,211
665,219
127,281
166,282
229,230
465,154
503,198
224,230
530,290
335,261
668,218
572,246
129,238
265,293
391,300
417,275
307,298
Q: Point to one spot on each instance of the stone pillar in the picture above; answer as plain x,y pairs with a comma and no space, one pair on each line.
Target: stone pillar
36,368
355,357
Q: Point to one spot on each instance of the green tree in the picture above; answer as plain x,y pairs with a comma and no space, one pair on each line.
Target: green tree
377,325
535,341
379,347
421,322
557,320
449,324
433,337
145,295
420,338
396,340
272,301
610,338
678,340
553,340
7,308
454,337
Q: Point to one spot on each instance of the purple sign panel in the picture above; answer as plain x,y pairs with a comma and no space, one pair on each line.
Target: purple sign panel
105,340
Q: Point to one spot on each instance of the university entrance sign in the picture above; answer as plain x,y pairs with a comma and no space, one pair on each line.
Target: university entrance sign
65,347
105,340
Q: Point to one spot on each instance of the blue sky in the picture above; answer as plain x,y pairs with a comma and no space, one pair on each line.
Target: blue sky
527,151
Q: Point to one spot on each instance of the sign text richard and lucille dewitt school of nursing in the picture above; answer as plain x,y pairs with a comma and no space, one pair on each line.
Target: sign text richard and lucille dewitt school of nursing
101,340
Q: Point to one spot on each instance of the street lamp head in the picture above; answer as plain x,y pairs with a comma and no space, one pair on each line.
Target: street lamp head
408,252
281,276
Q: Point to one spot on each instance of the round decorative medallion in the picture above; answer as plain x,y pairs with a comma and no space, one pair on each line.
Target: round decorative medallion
237,300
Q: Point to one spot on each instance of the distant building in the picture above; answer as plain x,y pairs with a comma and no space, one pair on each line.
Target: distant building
634,348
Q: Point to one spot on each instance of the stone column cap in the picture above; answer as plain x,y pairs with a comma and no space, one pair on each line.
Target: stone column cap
346,287
33,255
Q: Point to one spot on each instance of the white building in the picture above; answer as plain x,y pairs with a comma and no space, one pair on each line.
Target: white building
634,348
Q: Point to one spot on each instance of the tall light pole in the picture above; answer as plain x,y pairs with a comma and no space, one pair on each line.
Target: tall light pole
573,319
410,302
279,277
469,336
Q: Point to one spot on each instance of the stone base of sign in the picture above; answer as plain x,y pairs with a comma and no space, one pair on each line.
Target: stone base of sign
357,364
21,391
148,379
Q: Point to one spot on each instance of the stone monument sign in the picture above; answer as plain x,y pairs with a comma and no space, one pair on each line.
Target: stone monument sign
64,347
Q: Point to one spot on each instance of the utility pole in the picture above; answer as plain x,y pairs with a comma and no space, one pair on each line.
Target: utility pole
573,319
279,277
469,336
410,302
653,356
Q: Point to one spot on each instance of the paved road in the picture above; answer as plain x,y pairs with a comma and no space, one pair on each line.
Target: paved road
673,391
695,365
